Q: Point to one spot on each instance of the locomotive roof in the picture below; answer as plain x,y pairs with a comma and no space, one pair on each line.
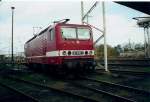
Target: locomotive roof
74,25
38,34
55,25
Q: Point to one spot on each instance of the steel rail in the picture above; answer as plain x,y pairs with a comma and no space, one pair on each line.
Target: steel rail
128,71
54,88
127,59
125,64
118,85
20,92
119,98
74,94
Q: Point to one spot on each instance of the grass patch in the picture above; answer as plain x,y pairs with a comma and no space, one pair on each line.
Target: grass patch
123,93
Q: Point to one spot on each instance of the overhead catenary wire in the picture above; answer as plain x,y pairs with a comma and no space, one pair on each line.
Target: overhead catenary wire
103,31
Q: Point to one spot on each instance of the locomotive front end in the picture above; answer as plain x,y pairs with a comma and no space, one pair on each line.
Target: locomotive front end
76,46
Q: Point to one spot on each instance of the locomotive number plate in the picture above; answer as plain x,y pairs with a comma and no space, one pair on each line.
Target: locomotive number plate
77,52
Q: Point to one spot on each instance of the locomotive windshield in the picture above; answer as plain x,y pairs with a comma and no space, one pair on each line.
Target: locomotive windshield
75,33
83,33
68,33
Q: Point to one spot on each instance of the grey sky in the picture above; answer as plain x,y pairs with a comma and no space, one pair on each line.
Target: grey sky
28,14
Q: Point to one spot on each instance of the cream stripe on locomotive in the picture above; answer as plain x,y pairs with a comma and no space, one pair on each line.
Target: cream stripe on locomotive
69,53
52,53
66,53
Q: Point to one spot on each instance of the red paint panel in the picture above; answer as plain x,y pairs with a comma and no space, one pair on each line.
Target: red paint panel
41,44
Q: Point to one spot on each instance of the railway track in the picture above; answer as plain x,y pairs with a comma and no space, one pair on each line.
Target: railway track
9,95
32,93
114,96
116,90
124,64
82,91
127,72
87,89
55,88
118,85
127,62
19,92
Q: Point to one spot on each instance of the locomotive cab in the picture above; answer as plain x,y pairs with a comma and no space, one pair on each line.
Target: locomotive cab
75,43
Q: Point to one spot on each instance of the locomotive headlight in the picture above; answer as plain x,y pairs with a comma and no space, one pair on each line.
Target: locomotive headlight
69,52
64,52
91,52
86,52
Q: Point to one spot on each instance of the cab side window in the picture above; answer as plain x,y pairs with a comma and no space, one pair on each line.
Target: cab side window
51,31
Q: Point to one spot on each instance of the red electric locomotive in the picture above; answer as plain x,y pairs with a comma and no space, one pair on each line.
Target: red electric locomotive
62,46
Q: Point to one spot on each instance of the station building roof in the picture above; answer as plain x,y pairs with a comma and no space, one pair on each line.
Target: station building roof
140,6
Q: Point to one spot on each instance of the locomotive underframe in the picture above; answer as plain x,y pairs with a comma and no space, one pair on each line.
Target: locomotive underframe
79,63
